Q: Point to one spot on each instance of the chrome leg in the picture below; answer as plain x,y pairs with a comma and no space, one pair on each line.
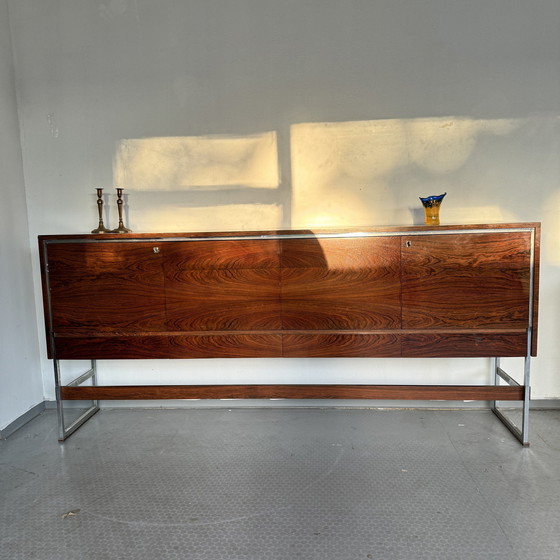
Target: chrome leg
526,400
522,434
63,430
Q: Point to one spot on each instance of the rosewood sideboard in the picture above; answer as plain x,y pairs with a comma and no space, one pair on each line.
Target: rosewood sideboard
448,291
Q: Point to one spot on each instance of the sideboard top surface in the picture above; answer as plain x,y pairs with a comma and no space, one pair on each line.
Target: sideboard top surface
352,231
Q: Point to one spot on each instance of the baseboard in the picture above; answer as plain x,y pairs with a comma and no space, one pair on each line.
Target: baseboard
537,404
545,404
23,419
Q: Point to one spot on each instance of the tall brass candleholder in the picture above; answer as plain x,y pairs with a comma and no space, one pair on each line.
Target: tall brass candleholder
101,227
121,228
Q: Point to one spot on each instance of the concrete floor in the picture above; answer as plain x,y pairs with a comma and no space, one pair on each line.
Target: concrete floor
273,484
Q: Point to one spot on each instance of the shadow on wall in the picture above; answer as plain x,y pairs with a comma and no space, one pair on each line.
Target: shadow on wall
340,174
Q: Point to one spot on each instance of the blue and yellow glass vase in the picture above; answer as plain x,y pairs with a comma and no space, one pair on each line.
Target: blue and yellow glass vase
431,208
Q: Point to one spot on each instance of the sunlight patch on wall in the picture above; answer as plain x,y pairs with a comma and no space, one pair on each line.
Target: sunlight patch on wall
551,215
338,171
372,172
197,162
234,217
480,215
444,145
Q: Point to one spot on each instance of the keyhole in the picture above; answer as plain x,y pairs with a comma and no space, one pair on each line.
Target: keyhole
156,249
409,243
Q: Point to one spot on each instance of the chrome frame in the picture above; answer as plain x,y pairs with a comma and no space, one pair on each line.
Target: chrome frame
63,430
522,433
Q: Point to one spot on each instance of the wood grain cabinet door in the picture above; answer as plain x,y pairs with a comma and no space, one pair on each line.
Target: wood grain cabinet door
476,284
105,287
341,283
224,285
344,287
468,280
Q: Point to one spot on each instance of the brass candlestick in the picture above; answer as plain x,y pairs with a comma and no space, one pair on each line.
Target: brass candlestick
121,228
101,227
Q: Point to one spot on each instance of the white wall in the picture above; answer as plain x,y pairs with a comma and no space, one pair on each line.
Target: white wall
20,370
253,114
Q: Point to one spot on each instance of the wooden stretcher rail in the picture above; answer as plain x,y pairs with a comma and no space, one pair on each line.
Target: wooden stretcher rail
394,392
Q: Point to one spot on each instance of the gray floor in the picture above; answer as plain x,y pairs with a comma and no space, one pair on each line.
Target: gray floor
281,484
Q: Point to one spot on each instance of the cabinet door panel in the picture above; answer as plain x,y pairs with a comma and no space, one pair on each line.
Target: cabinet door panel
466,281
222,285
471,344
223,254
341,345
341,283
158,346
106,287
